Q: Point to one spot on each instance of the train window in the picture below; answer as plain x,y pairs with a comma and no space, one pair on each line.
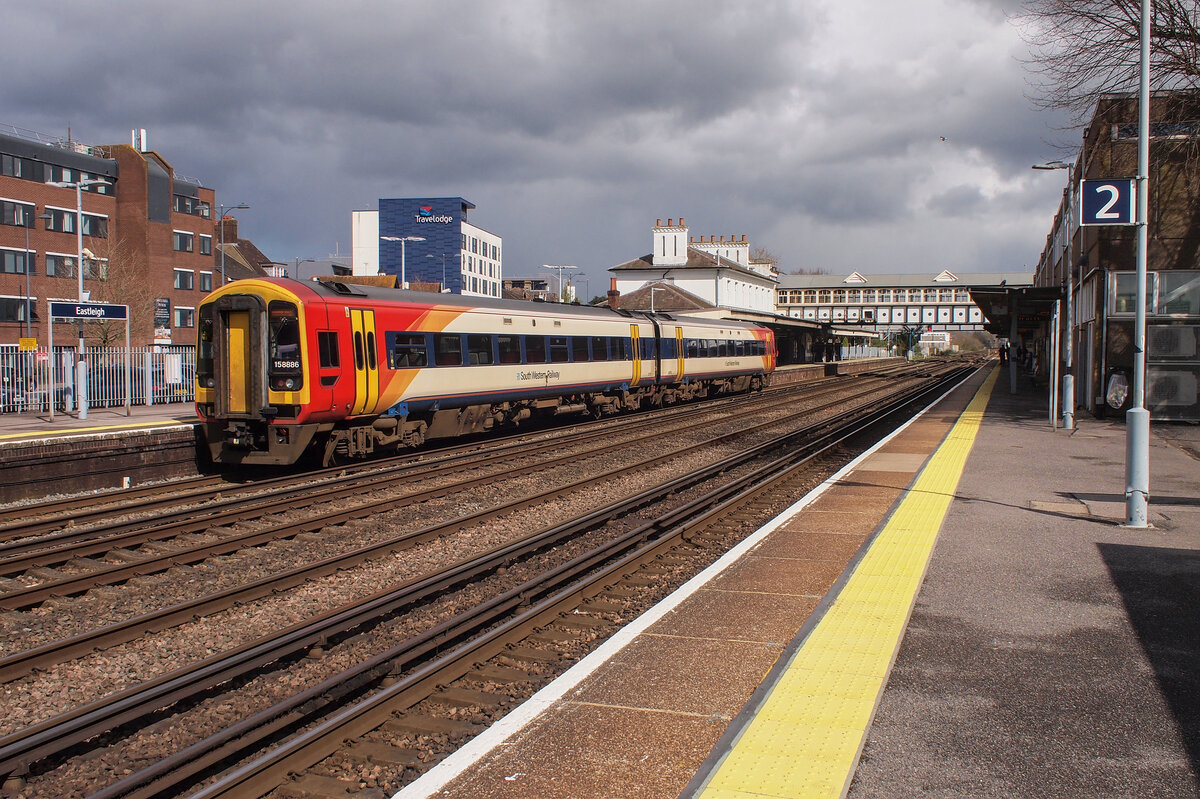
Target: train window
479,349
559,352
693,348
448,347
204,347
535,349
372,363
648,352
283,346
327,348
579,349
668,349
359,360
599,348
407,350
620,348
722,348
510,349
739,348
714,349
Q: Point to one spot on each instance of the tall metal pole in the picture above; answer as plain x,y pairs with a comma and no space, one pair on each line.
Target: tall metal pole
28,315
1137,420
1068,380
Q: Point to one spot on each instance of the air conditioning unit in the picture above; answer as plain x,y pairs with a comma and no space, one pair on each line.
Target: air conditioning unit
1172,341
1171,388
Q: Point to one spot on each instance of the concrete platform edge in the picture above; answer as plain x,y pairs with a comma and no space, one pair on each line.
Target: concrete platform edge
495,736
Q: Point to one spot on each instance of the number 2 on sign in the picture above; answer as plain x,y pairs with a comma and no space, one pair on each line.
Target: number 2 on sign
1114,194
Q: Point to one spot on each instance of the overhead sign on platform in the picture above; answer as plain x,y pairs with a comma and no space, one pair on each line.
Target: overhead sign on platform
88,310
1107,202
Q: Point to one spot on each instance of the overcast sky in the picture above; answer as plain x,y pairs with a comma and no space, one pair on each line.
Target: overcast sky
867,135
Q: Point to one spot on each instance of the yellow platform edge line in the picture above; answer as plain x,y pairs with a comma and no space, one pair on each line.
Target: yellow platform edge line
61,431
806,738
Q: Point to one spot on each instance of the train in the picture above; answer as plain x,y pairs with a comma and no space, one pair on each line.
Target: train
289,370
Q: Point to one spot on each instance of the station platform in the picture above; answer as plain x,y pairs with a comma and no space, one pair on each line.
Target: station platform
24,427
972,620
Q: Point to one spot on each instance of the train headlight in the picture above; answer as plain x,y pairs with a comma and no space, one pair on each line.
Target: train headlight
210,382
289,384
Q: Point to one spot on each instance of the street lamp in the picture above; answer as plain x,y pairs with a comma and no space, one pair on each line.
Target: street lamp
559,268
445,288
78,186
652,290
221,211
299,260
1068,387
402,240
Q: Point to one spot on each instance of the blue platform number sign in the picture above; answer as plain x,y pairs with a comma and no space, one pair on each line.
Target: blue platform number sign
1107,202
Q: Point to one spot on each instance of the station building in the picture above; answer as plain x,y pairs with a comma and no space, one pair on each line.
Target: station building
429,241
149,241
1097,265
884,304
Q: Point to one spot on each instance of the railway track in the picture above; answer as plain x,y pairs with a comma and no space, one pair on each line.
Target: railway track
47,743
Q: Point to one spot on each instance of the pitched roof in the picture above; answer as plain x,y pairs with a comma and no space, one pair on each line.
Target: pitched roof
696,259
666,297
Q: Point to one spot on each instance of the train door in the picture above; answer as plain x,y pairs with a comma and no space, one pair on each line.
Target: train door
237,351
366,365
238,347
637,355
679,354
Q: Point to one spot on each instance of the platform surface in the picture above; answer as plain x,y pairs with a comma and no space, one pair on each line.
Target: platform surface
1049,652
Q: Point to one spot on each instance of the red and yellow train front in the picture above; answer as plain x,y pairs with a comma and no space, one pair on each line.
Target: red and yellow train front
259,388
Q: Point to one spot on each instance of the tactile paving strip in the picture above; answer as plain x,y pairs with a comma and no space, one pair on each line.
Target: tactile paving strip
806,738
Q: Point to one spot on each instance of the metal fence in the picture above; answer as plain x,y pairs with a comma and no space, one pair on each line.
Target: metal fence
31,380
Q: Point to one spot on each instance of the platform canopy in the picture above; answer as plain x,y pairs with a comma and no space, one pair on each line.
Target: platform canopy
1033,305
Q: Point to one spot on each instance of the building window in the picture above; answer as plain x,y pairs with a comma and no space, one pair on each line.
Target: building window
962,295
25,168
854,295
95,226
95,268
184,279
60,221
868,295
839,295
60,265
15,213
205,245
185,317
184,242
12,262
206,281
885,295
824,295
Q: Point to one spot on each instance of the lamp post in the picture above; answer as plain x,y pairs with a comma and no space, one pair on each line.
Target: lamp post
559,268
296,275
1137,419
78,186
652,290
221,211
1068,385
402,240
445,288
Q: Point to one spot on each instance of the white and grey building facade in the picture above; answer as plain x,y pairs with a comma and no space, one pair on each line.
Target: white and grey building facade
890,303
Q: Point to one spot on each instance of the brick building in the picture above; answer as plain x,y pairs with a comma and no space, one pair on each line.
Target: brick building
1098,264
149,239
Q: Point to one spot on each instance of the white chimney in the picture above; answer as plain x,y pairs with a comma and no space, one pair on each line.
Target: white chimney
670,243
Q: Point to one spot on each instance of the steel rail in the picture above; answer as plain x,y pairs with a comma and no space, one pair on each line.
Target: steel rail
264,773
40,741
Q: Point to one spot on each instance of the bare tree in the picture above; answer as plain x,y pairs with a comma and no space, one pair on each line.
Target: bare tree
117,275
1081,49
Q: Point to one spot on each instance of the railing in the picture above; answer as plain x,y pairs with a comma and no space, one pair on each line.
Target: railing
30,381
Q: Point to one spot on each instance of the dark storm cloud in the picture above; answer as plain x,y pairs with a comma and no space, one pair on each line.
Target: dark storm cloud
570,125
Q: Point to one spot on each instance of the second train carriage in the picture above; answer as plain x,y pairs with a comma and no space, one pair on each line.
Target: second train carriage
284,365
